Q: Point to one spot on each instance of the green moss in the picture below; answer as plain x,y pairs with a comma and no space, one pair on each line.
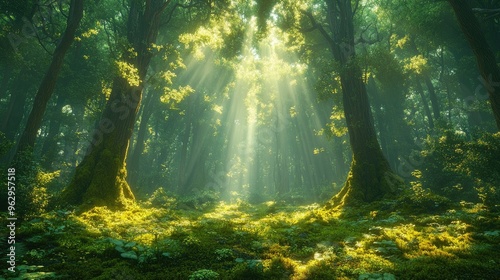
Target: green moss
100,181
244,241
358,190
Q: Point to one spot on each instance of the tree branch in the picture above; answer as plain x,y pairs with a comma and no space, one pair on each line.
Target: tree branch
319,27
486,11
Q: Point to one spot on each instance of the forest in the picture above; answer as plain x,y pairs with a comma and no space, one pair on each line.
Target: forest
262,139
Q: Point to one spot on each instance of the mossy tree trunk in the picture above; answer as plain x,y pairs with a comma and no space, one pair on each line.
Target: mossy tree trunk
484,55
100,179
370,176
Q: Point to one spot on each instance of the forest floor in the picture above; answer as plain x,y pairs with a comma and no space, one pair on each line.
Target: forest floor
272,240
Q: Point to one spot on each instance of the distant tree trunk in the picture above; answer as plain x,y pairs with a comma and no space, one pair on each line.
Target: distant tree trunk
436,110
50,148
433,97
28,137
196,171
134,161
100,179
14,113
370,177
427,110
20,28
7,71
382,122
184,157
485,58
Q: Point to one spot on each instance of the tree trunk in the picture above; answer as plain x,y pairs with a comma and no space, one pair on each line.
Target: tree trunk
100,179
14,113
48,84
134,161
485,58
433,97
50,148
427,110
184,157
370,177
382,123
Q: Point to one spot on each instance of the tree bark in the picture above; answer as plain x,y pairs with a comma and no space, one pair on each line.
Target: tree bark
48,84
485,58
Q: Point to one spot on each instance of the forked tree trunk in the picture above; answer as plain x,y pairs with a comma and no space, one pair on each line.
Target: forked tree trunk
485,58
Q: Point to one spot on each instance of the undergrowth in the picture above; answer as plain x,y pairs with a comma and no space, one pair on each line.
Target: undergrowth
162,240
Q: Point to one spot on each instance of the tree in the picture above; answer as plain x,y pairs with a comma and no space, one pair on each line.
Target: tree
100,179
48,84
370,176
484,55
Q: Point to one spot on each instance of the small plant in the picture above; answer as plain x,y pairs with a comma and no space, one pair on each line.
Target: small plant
201,199
133,251
204,274
191,241
223,254
160,198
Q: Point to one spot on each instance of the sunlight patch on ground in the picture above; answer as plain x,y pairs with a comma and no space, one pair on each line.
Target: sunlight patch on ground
270,239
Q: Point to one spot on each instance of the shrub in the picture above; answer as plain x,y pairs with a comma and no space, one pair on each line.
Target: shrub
32,196
463,170
201,199
249,269
204,274
160,198
422,200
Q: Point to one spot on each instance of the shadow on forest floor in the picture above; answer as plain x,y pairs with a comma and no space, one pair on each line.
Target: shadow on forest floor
265,241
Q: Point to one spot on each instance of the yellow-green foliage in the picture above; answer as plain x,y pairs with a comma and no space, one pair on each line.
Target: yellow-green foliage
129,72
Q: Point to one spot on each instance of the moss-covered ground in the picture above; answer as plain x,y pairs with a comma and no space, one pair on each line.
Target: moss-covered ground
271,240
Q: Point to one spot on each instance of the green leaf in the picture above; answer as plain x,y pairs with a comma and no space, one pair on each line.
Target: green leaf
129,255
120,249
130,244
